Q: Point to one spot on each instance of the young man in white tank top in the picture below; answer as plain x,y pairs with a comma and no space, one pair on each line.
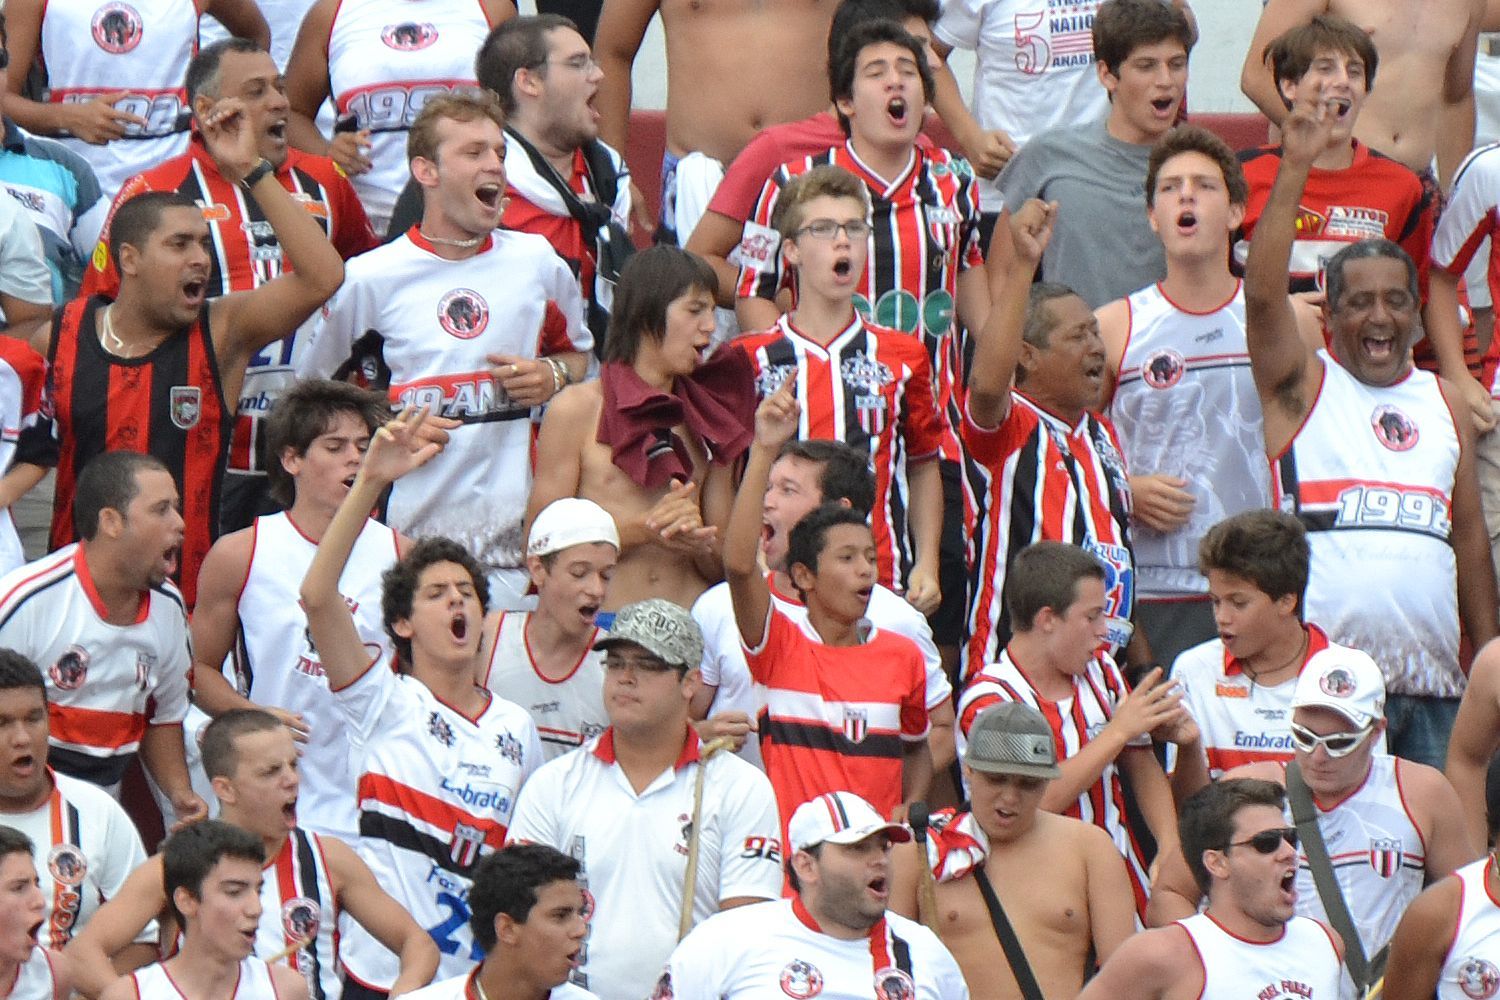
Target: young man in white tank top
1249,941
28,971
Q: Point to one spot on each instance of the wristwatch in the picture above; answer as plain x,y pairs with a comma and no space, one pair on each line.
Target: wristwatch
256,173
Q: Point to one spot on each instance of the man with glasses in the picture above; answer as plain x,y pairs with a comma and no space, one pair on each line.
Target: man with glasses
1250,941
1391,825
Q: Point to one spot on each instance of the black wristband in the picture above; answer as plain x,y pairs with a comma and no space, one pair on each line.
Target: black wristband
256,173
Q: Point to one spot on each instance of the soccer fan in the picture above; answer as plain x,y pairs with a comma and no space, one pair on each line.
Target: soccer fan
844,702
835,931
805,476
1366,452
380,67
114,85
245,251
1424,110
1104,247
112,630
32,970
472,323
1061,882
867,385
625,808
212,873
1250,938
651,440
546,660
439,760
1182,401
1476,738
1045,465
1056,597
248,604
83,844
311,881
28,442
530,919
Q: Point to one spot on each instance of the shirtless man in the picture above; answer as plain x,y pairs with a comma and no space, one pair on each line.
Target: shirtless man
1409,116
668,503
1063,885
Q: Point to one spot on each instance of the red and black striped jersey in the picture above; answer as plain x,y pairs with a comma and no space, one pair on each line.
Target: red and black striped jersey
168,403
926,231
869,387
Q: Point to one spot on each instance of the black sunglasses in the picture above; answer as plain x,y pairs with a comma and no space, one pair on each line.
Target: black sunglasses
1268,841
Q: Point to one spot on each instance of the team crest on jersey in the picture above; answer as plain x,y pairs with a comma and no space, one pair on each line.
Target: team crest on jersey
771,378
409,36
467,840
801,980
463,313
1393,428
684,833
894,984
438,729
1309,223
1337,683
67,865
856,724
1385,857
185,405
300,918
1163,369
117,28
143,663
509,747
1478,978
71,668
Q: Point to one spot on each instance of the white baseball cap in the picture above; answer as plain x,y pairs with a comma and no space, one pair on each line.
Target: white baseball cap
839,818
1343,680
568,522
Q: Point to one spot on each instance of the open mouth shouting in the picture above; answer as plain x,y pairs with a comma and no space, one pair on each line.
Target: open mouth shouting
489,196
896,110
1288,886
843,268
194,290
1340,106
1378,348
1187,223
1164,107
458,625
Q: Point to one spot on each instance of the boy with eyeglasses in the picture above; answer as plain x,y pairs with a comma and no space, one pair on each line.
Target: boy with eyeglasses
865,385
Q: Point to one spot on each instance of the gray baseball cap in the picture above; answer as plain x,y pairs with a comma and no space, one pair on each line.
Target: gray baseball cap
659,627
1011,738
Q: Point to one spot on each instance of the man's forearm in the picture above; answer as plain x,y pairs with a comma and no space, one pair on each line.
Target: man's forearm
927,510
916,771
165,758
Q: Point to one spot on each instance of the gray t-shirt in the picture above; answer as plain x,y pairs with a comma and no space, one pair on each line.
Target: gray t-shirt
1103,246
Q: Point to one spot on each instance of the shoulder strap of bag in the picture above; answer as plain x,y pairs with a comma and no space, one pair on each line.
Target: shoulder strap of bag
1014,954
1305,816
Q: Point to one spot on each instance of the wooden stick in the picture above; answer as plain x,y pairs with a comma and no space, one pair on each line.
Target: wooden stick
289,951
690,877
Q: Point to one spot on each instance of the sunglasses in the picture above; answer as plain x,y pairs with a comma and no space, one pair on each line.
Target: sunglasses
1268,841
1337,744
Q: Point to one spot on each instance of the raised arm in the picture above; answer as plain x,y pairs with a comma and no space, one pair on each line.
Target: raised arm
242,18
1256,79
1015,251
622,26
775,424
1456,127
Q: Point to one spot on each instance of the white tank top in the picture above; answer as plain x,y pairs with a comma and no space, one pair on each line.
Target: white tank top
283,669
155,983
1185,405
1472,968
568,713
93,47
1300,965
35,979
1370,474
297,901
386,58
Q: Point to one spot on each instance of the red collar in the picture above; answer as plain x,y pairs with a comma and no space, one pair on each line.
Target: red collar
1317,641
605,749
805,917
86,581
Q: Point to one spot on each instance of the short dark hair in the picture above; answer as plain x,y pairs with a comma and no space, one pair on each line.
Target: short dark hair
815,850
846,58
13,841
1046,575
649,282
1207,819
1195,139
220,754
851,13
509,880
808,537
139,216
17,670
845,474
1334,281
191,853
1122,26
306,411
109,481
203,71
1264,546
398,585
517,44
1291,54
1037,330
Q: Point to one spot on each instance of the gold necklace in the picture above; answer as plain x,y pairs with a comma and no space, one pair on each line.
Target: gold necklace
457,244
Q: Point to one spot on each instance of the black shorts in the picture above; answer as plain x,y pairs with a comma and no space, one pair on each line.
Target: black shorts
953,570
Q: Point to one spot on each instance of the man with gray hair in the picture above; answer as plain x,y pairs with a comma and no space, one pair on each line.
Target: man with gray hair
642,801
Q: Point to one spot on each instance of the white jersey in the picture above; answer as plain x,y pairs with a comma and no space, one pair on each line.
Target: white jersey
1469,215
420,327
1302,963
1471,970
105,683
435,791
1185,405
282,668
154,982
297,901
141,47
633,848
464,988
567,712
385,61
769,951
84,848
1371,475
26,429
36,979
724,657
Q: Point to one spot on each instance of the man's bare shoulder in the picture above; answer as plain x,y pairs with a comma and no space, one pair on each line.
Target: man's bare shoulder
578,402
